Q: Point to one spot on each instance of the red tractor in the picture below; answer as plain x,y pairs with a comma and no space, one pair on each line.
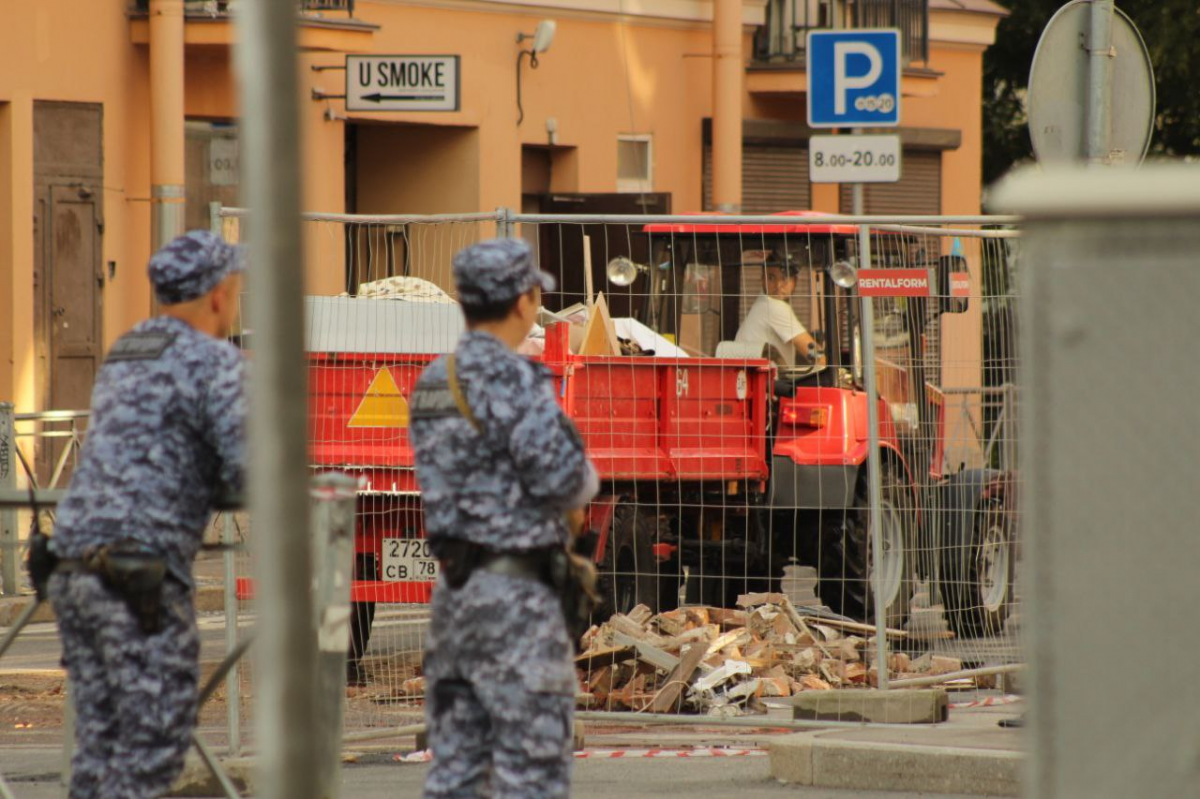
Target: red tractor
956,531
720,468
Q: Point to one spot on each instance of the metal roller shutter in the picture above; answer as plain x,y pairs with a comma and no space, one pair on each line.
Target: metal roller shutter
774,179
919,190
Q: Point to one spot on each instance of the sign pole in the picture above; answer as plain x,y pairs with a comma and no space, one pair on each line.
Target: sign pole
874,472
857,189
1099,107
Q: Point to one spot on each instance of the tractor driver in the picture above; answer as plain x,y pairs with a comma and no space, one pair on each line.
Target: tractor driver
771,319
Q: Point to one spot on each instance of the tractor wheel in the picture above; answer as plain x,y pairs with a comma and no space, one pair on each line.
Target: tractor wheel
362,615
629,572
978,568
847,565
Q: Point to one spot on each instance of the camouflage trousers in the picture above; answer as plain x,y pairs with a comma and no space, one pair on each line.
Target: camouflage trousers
500,691
135,694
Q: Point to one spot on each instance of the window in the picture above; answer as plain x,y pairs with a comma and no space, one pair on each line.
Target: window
635,164
211,172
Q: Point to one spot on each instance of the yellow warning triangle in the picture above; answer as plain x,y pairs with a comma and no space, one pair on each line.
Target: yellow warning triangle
382,405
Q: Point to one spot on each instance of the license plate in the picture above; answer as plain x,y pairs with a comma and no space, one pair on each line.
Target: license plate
407,559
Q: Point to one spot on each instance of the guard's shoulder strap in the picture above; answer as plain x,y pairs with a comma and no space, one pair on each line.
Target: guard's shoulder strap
460,399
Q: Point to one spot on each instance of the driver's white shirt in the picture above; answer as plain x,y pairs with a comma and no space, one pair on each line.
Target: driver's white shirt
774,322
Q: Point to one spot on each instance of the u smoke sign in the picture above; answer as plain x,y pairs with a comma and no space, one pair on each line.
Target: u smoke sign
402,83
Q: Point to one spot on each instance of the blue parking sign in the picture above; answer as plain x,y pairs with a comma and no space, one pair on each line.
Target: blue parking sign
853,78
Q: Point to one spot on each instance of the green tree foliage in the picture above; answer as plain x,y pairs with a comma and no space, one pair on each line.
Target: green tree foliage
1171,29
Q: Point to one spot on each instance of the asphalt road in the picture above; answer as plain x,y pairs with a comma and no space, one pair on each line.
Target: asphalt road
32,774
37,646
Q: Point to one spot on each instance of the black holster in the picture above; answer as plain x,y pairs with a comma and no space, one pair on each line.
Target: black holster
570,575
136,574
573,577
457,559
42,562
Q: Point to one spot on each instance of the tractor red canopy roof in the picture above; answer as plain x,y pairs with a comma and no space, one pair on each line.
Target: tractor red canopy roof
789,226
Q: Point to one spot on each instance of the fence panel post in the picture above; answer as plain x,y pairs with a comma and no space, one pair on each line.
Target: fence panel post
214,217
875,573
9,544
233,686
68,750
504,227
333,564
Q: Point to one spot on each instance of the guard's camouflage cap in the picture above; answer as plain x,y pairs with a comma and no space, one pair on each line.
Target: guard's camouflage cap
192,265
497,271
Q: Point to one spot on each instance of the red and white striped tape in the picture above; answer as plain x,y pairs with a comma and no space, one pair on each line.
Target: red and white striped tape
991,701
600,754
416,757
612,754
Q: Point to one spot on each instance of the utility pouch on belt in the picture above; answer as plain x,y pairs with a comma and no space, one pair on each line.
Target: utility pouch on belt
42,561
135,574
457,558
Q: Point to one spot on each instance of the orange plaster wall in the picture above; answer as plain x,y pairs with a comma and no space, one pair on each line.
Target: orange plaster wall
580,82
70,50
957,104
599,79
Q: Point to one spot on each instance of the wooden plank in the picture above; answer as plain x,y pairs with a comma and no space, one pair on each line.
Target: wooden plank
668,698
600,334
751,600
851,626
623,624
648,652
587,272
640,615
795,619
604,657
740,637
706,633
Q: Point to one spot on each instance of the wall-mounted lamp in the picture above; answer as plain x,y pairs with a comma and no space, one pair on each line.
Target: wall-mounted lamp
543,37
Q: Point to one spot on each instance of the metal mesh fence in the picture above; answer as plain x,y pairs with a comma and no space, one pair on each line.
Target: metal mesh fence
380,309
716,368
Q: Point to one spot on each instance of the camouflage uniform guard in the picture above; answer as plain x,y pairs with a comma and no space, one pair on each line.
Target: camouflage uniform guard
166,434
500,682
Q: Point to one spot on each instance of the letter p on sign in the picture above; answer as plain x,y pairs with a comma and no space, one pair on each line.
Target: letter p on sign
854,78
842,82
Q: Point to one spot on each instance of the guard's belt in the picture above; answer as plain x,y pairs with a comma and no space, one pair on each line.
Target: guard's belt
526,565
131,572
70,565
459,559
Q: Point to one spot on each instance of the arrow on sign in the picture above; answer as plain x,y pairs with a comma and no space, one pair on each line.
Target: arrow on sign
379,98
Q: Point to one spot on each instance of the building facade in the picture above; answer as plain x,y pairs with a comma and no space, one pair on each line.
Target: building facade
617,115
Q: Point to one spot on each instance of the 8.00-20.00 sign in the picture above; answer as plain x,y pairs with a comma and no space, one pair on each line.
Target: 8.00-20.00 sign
854,159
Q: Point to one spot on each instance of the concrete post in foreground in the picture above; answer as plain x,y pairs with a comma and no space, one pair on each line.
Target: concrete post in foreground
1108,476
233,684
279,504
333,556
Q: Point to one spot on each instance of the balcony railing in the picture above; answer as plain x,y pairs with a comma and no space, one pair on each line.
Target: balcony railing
782,39
221,8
